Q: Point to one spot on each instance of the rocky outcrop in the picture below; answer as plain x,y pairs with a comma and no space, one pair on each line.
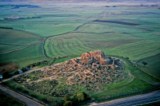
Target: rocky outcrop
88,70
91,71
94,57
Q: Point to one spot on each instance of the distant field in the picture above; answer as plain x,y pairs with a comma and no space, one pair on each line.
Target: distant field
46,21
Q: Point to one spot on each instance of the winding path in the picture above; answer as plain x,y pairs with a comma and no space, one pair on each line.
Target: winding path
133,100
15,76
26,100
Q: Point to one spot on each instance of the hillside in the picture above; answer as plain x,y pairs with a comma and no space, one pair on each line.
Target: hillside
89,70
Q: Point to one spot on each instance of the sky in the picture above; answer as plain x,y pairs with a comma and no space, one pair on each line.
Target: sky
73,1
80,0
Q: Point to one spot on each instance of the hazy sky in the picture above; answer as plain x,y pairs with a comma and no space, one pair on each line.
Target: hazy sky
121,1
81,0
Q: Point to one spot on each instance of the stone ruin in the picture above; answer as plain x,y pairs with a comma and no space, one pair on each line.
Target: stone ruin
94,59
91,70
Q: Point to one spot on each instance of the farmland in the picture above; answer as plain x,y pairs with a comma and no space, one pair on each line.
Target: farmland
62,32
69,31
151,66
17,45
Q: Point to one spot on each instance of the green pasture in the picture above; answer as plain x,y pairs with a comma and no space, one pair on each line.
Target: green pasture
152,66
123,45
24,57
15,37
49,21
20,47
138,82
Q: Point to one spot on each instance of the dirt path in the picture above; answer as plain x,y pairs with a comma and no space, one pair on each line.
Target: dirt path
26,100
15,76
133,100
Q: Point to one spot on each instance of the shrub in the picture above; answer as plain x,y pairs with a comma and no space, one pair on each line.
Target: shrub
68,103
67,98
80,96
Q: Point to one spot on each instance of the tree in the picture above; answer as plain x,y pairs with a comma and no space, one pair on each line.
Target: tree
144,63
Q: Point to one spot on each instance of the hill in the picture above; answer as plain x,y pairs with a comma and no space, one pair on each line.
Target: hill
91,69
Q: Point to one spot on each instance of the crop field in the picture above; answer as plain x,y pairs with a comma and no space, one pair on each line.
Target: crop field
47,21
20,47
151,65
48,32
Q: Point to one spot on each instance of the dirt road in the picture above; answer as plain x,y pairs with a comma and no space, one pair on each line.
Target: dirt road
24,99
133,100
15,76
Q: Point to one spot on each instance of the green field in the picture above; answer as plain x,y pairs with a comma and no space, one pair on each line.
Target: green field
20,47
58,31
152,66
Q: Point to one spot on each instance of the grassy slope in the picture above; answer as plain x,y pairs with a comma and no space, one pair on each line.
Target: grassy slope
124,45
152,67
20,47
140,83
16,37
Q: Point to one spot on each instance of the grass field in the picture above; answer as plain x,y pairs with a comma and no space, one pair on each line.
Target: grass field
49,20
20,47
152,66
67,31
